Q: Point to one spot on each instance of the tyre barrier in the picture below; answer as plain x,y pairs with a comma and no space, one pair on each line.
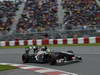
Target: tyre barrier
84,40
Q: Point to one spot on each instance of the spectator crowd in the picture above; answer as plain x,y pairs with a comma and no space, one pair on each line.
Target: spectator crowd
7,12
79,14
41,16
38,16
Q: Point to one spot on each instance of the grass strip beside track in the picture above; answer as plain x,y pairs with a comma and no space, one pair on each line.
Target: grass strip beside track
97,44
6,67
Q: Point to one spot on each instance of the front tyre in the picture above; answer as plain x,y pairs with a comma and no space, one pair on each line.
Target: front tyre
80,58
53,61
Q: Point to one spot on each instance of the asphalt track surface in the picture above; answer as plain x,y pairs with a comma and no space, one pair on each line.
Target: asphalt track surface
89,66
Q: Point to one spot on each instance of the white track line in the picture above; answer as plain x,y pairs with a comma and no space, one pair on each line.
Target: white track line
46,70
27,67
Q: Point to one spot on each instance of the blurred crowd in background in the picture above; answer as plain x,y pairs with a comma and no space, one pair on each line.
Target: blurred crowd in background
81,13
38,16
7,12
42,16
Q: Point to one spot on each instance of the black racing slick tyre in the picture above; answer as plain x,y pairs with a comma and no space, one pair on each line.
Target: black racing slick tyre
53,61
80,58
25,58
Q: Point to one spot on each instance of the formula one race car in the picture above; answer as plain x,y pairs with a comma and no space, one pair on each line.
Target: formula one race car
51,57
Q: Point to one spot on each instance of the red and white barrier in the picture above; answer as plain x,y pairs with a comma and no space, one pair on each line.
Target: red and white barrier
85,40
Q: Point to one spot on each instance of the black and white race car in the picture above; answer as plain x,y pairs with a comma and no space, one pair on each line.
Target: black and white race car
51,57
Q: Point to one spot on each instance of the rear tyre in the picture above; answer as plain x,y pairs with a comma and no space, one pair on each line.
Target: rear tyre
25,58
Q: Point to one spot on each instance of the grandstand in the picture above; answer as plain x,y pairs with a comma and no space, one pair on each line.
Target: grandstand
8,11
38,16
40,19
81,14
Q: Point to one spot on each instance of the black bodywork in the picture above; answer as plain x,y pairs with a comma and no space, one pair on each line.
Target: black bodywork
52,58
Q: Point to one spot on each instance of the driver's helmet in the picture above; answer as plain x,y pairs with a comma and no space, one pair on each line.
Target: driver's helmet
34,47
30,48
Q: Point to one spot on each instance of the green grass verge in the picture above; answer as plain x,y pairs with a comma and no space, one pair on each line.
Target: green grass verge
6,67
97,44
